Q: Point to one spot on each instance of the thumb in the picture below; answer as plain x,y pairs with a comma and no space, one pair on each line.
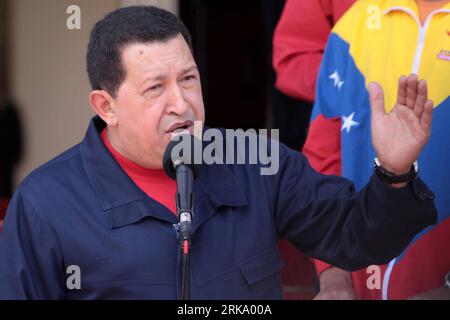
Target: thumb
376,95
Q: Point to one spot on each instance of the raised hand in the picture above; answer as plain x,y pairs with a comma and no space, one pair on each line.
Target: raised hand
398,137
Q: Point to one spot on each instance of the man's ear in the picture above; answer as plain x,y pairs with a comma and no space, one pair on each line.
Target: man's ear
103,104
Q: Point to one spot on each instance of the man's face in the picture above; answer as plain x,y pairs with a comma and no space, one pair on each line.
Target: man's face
160,96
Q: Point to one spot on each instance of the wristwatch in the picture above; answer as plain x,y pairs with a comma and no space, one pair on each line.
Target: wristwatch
392,178
447,280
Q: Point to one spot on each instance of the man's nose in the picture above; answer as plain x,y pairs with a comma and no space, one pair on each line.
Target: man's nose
176,102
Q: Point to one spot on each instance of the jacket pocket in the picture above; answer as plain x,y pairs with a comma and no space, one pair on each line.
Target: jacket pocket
262,265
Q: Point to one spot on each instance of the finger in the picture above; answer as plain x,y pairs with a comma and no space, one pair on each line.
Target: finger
411,91
376,98
421,99
427,115
401,96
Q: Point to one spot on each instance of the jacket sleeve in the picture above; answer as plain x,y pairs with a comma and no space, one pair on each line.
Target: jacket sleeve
31,263
298,43
323,143
323,150
327,219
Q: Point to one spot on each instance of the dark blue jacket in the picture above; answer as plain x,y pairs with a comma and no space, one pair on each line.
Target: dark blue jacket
82,209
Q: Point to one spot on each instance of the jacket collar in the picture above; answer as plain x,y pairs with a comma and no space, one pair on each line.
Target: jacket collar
408,6
124,203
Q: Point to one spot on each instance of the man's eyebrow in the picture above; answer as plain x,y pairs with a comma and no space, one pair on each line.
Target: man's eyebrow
161,77
193,68
152,79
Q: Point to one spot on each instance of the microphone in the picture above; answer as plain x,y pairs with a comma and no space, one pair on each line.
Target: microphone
178,163
181,167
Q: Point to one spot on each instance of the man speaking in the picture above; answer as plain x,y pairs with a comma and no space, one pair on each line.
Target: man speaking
103,211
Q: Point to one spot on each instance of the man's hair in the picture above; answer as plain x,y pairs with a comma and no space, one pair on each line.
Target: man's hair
122,27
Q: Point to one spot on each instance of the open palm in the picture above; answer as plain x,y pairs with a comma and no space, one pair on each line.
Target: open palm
399,136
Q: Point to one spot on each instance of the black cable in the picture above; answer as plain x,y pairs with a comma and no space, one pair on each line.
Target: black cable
185,285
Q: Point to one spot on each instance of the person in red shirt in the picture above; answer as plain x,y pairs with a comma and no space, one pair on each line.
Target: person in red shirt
323,150
299,42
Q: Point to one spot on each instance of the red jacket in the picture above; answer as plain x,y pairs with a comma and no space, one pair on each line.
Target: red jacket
332,150
298,45
299,42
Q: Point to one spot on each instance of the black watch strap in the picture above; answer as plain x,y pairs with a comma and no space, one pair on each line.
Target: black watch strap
392,178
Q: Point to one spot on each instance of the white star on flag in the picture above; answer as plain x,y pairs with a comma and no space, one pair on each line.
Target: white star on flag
348,122
337,79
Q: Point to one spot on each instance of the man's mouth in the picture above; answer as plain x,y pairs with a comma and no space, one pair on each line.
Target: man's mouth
181,128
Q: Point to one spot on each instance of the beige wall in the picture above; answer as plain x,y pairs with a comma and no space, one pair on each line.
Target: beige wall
48,77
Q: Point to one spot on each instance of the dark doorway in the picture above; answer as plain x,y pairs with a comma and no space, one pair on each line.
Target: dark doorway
233,49
229,47
10,129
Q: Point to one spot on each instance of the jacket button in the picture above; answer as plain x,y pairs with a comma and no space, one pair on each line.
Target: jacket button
426,195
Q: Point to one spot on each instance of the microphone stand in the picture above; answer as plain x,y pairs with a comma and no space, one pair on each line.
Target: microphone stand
185,215
184,171
185,246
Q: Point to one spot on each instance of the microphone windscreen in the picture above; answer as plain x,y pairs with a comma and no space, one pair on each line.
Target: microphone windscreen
182,151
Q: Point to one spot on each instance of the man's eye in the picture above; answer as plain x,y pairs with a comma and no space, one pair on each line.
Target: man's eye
187,78
155,87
